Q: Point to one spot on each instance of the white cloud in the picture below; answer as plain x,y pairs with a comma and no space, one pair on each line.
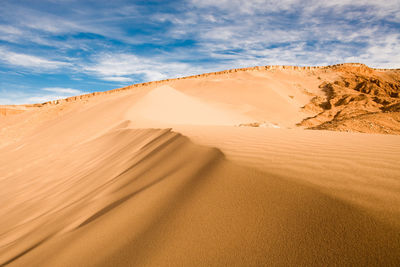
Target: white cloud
9,33
38,96
29,61
384,53
109,65
123,67
246,6
318,32
253,6
117,79
64,91
6,29
41,99
40,25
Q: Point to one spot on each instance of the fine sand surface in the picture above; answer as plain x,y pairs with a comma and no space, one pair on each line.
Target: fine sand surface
174,173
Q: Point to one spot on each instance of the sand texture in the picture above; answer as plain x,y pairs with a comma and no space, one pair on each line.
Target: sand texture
266,166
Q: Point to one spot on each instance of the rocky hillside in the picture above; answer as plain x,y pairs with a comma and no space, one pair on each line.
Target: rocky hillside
360,100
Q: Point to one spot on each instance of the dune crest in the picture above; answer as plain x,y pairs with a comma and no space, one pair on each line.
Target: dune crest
165,106
113,168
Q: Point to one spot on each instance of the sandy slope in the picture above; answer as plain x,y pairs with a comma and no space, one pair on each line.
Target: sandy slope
165,105
361,169
103,181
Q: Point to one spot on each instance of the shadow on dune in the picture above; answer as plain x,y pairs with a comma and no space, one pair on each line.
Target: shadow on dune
151,197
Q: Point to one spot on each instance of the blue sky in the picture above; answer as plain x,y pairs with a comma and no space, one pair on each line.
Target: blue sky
58,48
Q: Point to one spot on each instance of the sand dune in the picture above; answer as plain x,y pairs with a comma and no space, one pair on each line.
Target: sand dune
11,110
165,105
195,172
152,197
361,169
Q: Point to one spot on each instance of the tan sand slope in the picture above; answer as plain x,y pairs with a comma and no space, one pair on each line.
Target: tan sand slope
152,198
165,106
361,169
83,183
11,110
